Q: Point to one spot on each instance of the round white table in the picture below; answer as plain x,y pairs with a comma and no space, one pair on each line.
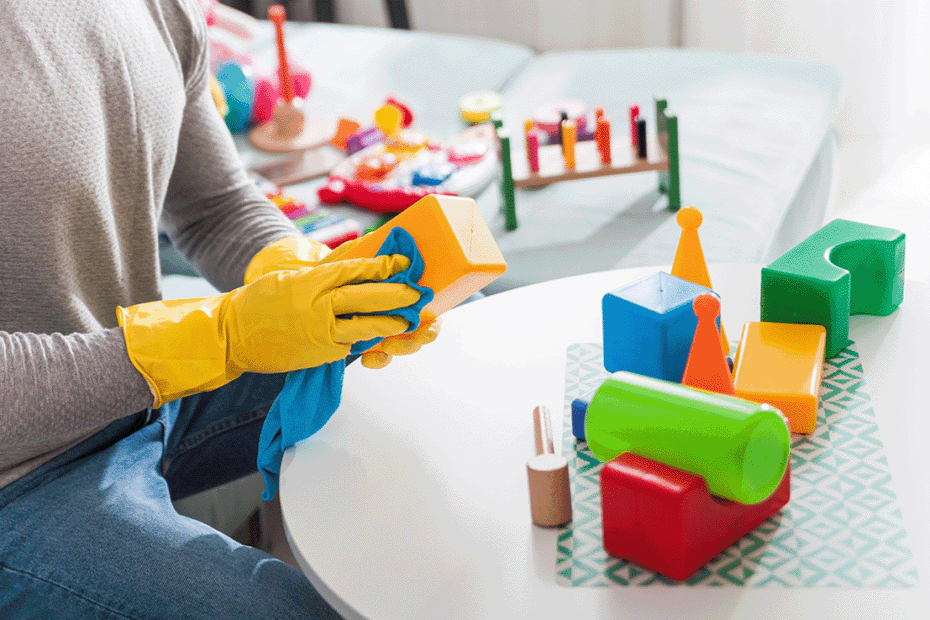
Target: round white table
412,502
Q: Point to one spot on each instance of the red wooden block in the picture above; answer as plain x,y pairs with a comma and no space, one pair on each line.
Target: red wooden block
663,519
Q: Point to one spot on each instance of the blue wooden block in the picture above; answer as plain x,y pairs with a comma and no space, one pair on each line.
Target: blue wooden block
649,326
579,411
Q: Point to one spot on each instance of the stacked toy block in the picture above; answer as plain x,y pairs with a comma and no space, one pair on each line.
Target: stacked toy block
696,455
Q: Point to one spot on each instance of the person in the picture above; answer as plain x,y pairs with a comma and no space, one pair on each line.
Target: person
114,402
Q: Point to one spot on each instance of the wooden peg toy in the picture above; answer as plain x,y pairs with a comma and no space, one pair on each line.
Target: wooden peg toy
707,366
592,157
689,261
289,129
550,492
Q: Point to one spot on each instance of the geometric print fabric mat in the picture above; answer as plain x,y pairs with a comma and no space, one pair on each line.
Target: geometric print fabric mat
841,528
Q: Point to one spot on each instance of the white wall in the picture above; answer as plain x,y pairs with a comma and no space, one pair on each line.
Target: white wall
541,24
880,46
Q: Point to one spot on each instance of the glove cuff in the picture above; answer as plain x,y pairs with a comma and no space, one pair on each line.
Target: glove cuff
178,345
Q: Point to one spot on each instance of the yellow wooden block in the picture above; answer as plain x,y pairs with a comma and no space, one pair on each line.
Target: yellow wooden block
460,253
782,364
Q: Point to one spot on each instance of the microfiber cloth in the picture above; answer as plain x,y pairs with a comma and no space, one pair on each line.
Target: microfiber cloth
310,397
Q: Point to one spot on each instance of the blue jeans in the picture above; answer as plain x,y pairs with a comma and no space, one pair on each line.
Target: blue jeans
93,533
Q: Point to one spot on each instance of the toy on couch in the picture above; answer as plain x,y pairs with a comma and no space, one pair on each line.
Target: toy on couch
315,222
253,88
403,166
563,150
290,128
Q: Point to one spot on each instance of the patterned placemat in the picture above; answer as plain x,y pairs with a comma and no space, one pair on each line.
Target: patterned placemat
841,528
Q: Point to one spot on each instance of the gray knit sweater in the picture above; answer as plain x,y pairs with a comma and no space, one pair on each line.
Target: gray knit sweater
106,126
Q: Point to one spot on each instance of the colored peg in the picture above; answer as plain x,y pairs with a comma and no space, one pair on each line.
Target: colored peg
634,114
598,113
276,14
532,149
569,133
550,492
641,138
707,366
602,137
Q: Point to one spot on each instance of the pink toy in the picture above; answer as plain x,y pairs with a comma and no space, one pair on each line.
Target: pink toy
268,91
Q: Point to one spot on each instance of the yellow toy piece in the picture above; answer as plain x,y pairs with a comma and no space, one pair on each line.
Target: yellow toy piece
389,119
782,364
219,97
405,144
477,107
689,258
283,321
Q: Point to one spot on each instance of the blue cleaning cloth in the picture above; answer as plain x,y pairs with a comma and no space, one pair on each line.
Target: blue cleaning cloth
310,397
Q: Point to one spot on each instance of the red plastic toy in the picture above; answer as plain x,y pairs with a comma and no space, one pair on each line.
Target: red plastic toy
663,519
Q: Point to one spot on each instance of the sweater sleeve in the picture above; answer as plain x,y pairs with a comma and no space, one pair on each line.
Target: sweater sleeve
54,387
213,213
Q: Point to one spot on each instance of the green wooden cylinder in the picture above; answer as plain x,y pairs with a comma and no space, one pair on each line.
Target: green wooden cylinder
740,448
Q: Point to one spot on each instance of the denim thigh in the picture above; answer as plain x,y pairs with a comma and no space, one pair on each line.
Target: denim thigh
94,535
212,438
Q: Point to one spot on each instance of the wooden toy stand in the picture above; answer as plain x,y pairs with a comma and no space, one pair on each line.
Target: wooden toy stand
662,156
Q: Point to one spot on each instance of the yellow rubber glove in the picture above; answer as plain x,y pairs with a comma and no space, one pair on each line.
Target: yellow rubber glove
284,321
402,344
292,253
299,252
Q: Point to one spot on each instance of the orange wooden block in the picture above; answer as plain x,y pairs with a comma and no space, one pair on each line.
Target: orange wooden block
460,253
782,364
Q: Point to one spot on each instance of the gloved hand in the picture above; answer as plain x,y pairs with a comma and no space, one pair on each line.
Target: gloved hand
402,344
293,253
283,321
299,252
